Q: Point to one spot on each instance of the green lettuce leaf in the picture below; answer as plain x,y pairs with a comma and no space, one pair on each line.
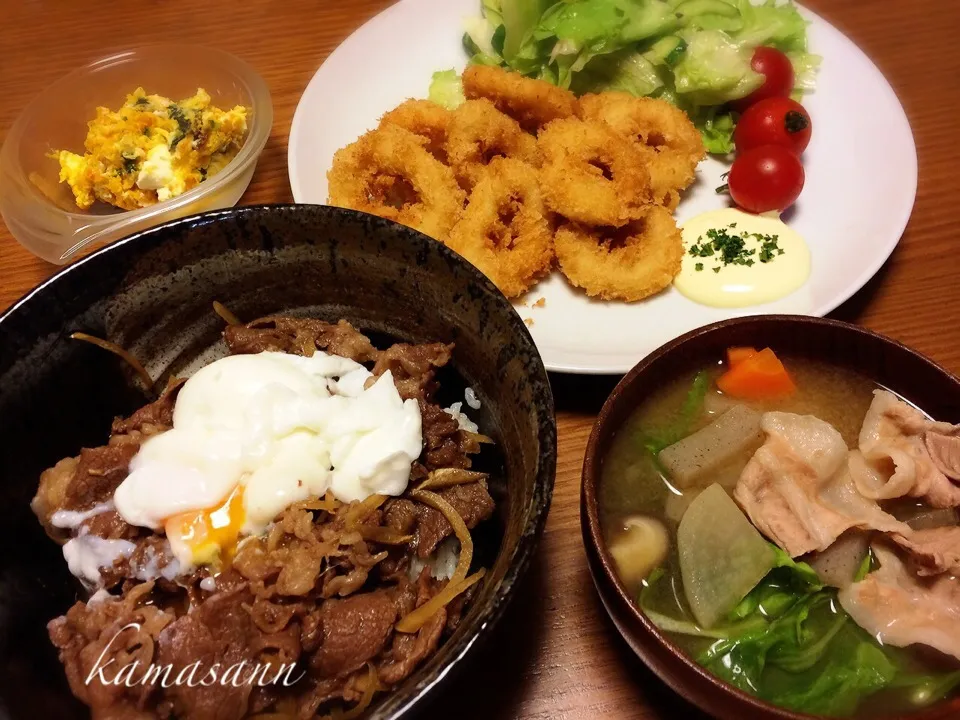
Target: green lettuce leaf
693,53
478,40
626,71
571,34
714,70
805,68
491,11
776,24
843,682
716,129
446,89
656,440
518,18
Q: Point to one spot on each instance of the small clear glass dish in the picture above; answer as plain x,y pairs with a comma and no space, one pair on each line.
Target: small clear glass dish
40,211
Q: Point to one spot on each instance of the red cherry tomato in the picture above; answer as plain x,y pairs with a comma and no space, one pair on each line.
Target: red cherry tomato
778,77
765,178
774,121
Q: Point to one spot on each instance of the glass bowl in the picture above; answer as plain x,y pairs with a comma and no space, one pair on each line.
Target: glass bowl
40,211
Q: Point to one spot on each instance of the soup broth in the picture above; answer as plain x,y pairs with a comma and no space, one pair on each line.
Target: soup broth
634,483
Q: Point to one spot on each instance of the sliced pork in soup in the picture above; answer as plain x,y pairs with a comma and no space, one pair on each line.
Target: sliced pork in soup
897,461
899,608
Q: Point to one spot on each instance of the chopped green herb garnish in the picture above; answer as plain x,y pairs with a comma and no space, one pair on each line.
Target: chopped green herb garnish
141,101
730,248
183,123
698,267
769,248
129,161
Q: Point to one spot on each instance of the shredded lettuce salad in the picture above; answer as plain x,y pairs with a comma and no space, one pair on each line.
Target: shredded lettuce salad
693,53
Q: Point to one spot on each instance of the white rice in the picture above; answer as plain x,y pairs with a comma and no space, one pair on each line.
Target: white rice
442,563
470,396
463,421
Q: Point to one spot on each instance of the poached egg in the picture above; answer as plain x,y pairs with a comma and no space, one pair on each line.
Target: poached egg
253,434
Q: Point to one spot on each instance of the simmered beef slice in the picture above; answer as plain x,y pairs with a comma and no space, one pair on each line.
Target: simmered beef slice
90,478
153,417
413,367
408,650
98,639
429,526
218,632
443,442
300,336
354,631
84,481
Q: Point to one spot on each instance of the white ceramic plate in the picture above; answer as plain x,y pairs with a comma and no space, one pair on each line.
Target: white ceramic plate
861,178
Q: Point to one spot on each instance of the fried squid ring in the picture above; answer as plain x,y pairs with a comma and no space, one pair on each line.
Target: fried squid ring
504,231
532,103
592,175
478,133
670,142
387,172
426,119
628,263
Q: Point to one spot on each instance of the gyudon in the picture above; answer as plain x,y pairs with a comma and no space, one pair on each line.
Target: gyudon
287,532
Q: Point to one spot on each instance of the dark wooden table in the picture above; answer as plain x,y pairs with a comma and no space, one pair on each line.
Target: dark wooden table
556,655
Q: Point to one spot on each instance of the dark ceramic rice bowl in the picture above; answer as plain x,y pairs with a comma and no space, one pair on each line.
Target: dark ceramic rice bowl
152,294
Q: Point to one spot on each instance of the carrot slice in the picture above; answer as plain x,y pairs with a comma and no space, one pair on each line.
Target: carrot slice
737,355
758,377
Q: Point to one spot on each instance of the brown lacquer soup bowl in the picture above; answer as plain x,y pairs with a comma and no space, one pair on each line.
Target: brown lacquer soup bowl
886,362
152,294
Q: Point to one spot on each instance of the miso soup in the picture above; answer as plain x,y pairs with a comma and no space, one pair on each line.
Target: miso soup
798,534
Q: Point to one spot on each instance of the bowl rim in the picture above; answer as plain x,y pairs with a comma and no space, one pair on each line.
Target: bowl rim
258,132
543,479
593,536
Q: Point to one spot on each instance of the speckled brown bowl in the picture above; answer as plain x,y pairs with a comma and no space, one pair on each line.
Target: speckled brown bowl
889,363
152,294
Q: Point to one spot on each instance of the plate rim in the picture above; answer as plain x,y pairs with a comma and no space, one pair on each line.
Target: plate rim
910,174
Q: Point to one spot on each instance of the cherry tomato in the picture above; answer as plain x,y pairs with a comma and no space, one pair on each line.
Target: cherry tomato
774,121
766,178
778,77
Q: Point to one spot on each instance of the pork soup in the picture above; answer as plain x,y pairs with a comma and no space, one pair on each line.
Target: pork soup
793,527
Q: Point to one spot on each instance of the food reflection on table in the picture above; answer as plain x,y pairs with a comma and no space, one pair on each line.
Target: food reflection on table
151,149
793,527
301,508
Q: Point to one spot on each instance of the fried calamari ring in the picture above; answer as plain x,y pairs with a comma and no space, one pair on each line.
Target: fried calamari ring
387,172
532,103
426,119
671,143
592,175
628,263
504,231
478,133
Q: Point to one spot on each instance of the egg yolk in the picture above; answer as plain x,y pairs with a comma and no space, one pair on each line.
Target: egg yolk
208,536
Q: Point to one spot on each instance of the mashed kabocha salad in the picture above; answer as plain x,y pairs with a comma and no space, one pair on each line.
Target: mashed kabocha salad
708,57
151,149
